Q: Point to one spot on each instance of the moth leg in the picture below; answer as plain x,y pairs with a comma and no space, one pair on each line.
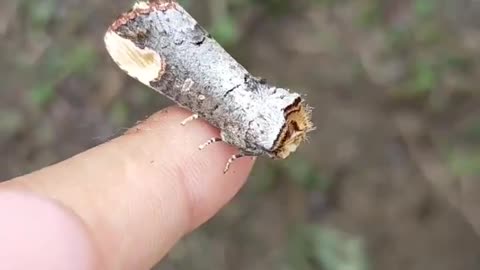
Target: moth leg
207,143
189,119
231,160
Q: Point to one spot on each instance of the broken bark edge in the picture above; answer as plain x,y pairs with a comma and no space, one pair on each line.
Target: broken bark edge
142,8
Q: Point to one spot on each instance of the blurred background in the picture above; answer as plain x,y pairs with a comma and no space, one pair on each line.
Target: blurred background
385,182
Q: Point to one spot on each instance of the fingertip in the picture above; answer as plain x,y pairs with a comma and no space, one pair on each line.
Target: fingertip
200,172
144,189
38,233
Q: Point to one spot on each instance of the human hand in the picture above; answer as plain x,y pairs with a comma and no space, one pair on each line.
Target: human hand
120,205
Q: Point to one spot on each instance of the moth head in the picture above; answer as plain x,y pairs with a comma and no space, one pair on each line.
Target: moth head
297,124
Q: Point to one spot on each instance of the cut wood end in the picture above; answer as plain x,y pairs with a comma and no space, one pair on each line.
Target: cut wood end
144,65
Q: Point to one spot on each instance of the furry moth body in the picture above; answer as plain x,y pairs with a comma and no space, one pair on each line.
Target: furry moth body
163,47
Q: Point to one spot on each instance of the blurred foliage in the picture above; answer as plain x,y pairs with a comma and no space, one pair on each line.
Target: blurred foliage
59,63
298,170
321,247
10,121
42,94
425,78
275,7
416,39
119,113
465,163
225,31
372,13
305,173
40,13
425,8
265,176
185,3
472,132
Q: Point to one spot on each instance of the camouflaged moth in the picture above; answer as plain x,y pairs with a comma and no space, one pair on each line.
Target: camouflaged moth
162,46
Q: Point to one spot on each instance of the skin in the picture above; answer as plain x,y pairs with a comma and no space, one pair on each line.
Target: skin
121,205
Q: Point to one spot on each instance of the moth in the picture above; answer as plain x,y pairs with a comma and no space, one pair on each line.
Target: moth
162,46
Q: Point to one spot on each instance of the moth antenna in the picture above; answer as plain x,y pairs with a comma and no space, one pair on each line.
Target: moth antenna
211,141
231,160
190,119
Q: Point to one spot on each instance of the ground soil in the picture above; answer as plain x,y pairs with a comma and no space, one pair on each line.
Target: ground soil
382,152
